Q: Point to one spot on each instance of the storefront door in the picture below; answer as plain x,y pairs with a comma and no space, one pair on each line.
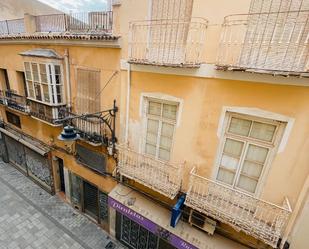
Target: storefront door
91,200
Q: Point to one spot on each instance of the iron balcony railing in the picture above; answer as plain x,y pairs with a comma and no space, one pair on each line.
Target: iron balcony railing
12,27
258,218
92,129
163,177
2,97
49,114
101,21
266,42
16,101
167,42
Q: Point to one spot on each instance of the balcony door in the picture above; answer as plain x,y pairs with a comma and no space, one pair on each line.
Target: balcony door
168,31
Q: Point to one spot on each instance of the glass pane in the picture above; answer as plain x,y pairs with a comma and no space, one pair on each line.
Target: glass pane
38,94
256,153
59,98
166,143
45,92
225,176
167,130
164,154
252,169
35,71
229,162
28,75
152,126
27,66
247,184
58,79
154,108
43,73
263,131
233,147
57,69
151,138
150,149
169,111
240,126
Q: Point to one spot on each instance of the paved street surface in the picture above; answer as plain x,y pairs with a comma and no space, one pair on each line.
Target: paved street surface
32,218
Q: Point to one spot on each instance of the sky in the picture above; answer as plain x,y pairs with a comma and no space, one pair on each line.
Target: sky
77,5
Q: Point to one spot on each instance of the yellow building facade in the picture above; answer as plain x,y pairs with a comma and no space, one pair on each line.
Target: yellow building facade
191,116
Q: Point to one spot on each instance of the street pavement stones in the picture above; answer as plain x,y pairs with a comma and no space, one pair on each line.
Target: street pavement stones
31,218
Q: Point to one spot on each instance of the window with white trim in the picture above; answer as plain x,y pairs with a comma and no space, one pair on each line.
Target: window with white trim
44,82
161,121
247,144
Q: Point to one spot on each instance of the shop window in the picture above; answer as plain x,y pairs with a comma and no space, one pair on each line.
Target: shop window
13,119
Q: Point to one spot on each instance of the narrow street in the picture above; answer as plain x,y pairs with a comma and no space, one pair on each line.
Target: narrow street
32,218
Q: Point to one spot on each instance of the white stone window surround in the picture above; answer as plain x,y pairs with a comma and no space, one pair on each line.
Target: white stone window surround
160,97
283,133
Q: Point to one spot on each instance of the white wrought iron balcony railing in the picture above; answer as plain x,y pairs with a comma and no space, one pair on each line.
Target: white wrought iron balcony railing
258,218
163,177
99,21
167,42
12,27
274,42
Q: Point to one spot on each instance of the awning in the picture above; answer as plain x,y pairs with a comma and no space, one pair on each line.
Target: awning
30,143
155,217
38,52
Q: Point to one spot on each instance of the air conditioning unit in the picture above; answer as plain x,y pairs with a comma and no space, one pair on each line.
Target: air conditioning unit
201,221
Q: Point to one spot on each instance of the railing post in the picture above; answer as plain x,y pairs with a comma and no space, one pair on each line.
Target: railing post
7,26
30,24
65,22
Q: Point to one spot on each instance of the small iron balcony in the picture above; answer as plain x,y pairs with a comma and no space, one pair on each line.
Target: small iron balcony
160,176
275,43
171,42
16,101
258,218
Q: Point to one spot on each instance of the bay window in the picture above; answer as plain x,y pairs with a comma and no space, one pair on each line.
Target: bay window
44,82
247,145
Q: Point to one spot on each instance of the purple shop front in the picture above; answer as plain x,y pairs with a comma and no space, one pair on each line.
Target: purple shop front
149,225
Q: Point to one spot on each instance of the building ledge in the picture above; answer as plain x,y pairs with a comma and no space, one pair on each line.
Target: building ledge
67,38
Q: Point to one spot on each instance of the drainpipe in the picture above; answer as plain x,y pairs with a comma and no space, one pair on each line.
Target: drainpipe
67,69
128,103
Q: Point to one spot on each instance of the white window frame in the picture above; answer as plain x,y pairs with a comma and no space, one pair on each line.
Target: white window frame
162,98
264,117
50,84
161,119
